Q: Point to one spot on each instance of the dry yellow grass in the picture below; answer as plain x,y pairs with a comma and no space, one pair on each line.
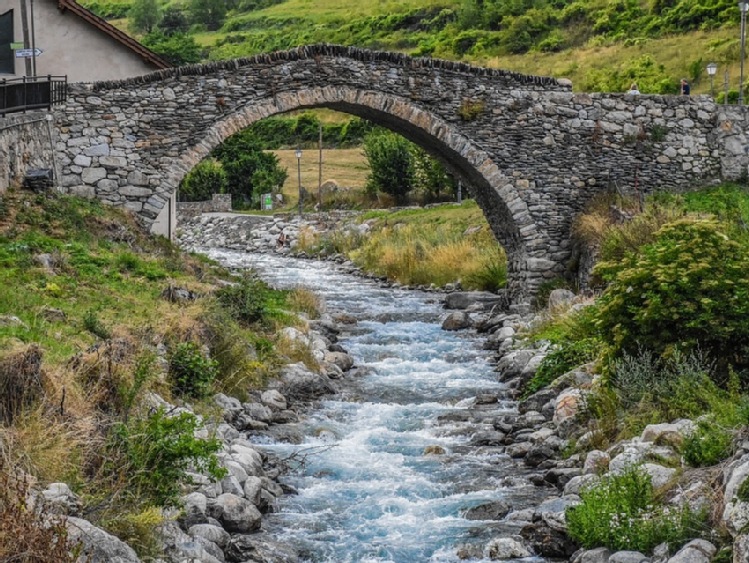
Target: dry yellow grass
347,167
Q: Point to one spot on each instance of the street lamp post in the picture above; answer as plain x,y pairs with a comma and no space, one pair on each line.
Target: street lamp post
712,68
299,176
743,7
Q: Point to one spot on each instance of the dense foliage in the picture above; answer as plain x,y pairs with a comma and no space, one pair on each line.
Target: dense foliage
475,30
154,454
304,129
206,179
240,167
391,166
622,512
687,290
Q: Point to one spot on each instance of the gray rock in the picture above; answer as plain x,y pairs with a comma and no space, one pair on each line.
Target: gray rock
465,299
340,359
659,475
258,412
696,551
741,548
560,299
215,534
97,545
552,511
628,557
506,548
236,514
457,320
260,549
597,555
300,384
273,399
579,483
596,462
194,509
495,510
61,499
672,434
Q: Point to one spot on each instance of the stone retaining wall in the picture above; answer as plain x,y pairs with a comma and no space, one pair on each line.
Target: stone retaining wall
25,144
219,203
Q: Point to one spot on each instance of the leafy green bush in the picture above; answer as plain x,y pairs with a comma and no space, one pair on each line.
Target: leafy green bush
248,301
206,179
390,163
151,456
709,444
688,289
562,360
192,373
622,512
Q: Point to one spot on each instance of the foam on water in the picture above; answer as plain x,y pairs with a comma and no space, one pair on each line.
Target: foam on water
367,492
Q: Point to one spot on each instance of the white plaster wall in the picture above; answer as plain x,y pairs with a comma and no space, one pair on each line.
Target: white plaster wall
166,222
73,47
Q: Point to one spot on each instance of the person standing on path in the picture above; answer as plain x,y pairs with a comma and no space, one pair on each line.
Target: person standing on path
684,87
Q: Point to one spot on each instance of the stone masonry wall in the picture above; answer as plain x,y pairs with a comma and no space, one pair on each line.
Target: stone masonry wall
217,204
531,151
25,144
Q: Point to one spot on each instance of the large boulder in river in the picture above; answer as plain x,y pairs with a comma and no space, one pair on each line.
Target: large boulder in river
466,299
457,320
298,383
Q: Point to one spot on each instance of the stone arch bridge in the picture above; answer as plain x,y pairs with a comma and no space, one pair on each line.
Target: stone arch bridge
531,151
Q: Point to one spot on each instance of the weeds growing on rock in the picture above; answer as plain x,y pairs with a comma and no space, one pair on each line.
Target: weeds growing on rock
622,512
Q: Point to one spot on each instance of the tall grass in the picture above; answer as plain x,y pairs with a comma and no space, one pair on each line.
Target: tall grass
421,255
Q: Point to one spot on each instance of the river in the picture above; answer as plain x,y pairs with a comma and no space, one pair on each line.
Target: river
367,492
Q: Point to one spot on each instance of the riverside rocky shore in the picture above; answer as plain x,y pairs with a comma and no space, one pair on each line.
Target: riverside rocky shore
223,521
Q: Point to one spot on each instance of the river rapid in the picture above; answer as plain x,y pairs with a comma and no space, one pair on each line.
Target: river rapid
367,491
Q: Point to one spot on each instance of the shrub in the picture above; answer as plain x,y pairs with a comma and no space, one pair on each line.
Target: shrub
709,444
20,382
562,360
149,457
206,179
622,512
191,371
687,289
247,301
28,534
140,530
390,163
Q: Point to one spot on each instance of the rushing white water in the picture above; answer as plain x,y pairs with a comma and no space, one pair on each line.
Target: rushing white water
367,491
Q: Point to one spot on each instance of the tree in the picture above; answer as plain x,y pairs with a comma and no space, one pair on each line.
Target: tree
430,176
173,21
390,163
250,171
177,48
144,15
210,13
206,179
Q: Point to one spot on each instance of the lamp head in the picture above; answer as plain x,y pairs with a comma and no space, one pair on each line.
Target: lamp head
743,6
298,153
712,68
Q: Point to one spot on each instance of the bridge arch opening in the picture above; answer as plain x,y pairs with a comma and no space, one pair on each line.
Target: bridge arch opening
495,193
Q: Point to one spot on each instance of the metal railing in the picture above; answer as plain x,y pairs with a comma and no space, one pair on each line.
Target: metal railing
32,92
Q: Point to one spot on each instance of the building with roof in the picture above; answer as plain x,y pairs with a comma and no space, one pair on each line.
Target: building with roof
62,38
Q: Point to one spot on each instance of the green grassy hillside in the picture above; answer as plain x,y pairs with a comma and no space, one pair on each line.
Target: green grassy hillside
602,45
